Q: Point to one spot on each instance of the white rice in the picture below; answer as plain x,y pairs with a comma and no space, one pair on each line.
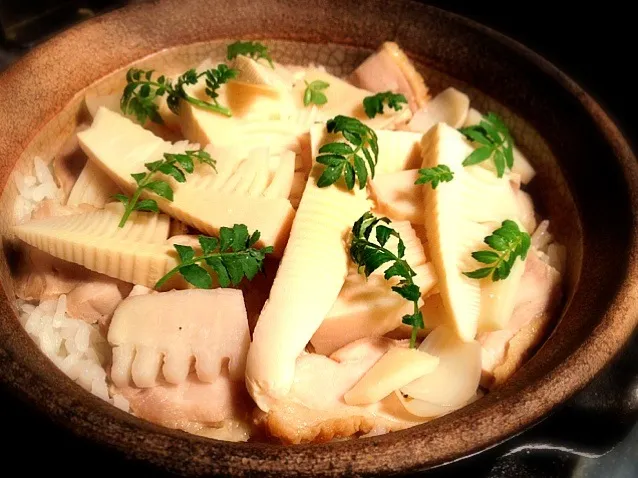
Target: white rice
34,189
550,252
75,347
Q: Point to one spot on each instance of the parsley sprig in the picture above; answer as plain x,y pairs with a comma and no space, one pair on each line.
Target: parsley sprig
369,256
373,105
174,165
314,93
508,243
495,142
347,160
231,257
142,91
251,49
435,175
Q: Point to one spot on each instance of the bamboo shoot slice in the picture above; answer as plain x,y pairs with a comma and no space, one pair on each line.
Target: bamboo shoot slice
398,197
177,328
455,381
397,368
93,187
398,150
346,99
120,147
450,106
137,253
458,215
311,273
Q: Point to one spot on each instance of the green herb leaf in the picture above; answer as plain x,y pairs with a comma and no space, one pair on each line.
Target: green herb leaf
226,238
216,264
240,237
149,205
349,175
330,175
170,170
361,171
170,166
229,258
196,275
479,273
414,320
478,156
214,79
409,292
138,177
435,175
314,93
161,188
208,244
254,238
186,253
496,143
508,243
373,105
369,256
140,95
122,198
336,148
485,257
343,159
330,160
251,49
383,233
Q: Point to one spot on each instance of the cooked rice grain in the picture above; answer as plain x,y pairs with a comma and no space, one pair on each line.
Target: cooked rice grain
34,189
75,347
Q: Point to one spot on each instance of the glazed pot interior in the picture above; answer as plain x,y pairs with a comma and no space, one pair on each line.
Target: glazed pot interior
586,185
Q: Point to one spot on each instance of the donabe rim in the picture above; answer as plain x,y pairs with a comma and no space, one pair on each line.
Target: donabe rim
377,455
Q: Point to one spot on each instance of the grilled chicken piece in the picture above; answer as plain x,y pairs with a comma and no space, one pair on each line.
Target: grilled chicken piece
94,301
504,351
314,410
208,409
40,276
390,69
52,208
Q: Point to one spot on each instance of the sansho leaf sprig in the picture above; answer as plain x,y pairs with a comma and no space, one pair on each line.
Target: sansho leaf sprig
231,257
508,243
347,159
174,165
314,93
214,78
435,175
373,105
251,49
140,95
495,141
369,256
142,91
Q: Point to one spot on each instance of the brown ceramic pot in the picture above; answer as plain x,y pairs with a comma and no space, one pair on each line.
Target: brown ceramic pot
587,184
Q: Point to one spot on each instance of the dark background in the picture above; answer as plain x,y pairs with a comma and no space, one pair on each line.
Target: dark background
595,44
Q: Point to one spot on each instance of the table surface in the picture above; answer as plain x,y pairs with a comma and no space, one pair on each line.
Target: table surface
592,435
